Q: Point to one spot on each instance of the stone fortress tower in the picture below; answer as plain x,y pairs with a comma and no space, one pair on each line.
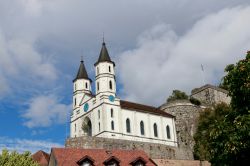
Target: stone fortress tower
187,115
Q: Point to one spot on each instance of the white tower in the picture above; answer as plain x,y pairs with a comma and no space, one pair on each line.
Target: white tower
105,74
82,85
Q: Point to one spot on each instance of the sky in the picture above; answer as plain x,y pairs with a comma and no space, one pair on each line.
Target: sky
157,45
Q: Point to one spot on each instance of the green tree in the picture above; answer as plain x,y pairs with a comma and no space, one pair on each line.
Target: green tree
15,159
177,95
223,133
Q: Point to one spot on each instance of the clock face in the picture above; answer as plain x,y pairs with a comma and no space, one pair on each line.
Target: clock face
86,107
111,98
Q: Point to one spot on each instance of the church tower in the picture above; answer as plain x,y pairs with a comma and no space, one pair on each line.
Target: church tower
82,85
105,74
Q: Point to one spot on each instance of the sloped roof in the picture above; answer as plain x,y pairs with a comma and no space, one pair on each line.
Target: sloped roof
70,156
82,73
197,90
104,55
144,108
41,157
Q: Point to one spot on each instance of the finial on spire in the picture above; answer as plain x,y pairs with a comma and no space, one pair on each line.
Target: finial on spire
81,58
103,41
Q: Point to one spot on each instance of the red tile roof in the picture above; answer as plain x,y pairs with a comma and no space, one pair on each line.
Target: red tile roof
41,157
70,156
144,108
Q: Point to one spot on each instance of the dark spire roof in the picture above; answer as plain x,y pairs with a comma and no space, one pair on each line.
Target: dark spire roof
104,55
82,73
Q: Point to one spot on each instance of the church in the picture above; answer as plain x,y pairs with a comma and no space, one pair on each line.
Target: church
103,114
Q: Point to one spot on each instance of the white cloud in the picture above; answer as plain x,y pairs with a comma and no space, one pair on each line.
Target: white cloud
45,111
22,145
164,61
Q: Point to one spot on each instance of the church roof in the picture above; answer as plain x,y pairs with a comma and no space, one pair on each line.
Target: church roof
104,55
144,108
82,73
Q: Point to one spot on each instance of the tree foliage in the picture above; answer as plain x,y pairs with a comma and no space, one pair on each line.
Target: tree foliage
223,133
15,159
177,95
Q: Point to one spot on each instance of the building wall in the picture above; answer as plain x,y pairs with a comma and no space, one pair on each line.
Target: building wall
210,95
167,162
157,151
187,116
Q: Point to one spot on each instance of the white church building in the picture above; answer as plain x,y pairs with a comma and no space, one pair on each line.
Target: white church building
104,114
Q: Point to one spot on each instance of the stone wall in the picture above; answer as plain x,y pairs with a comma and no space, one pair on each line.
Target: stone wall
187,116
210,95
163,162
157,151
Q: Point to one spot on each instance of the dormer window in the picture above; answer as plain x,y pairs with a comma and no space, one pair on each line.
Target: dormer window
86,161
112,161
138,162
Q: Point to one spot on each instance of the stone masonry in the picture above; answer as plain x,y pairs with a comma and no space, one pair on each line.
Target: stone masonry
187,116
157,151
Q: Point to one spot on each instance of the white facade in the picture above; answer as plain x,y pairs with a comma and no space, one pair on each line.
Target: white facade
105,115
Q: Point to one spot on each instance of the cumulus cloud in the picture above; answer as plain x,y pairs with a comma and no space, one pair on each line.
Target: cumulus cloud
45,111
22,145
163,60
20,61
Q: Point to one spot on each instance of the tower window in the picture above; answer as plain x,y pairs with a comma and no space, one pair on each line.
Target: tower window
155,130
97,86
112,113
142,128
168,132
97,70
128,126
110,85
75,127
86,85
99,126
75,101
99,114
112,125
109,69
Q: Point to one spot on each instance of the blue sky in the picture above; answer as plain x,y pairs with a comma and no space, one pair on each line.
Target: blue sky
157,45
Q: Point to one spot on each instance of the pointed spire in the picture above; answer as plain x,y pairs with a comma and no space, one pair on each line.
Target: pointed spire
104,55
82,73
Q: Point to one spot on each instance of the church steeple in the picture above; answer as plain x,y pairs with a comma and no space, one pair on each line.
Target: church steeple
82,73
104,55
105,73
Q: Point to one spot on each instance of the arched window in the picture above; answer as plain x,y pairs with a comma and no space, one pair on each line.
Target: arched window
109,69
75,101
168,132
142,128
86,85
128,125
97,86
87,126
75,127
99,114
111,113
112,125
110,85
155,130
